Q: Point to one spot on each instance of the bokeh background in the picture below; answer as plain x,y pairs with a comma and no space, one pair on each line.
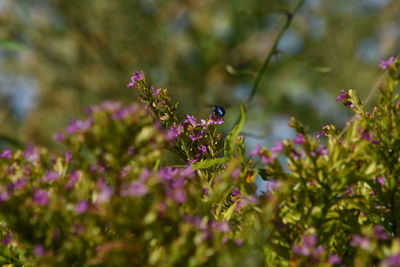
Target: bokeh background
59,56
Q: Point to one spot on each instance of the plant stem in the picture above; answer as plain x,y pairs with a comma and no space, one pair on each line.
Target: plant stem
290,16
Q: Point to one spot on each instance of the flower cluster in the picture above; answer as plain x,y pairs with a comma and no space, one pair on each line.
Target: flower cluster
114,198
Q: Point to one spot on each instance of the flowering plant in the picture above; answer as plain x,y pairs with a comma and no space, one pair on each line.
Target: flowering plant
113,199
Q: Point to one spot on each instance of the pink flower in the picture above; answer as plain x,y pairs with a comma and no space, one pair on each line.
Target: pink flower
278,147
73,178
190,119
342,96
135,189
6,154
299,139
256,151
137,76
41,198
385,64
359,241
79,126
203,149
59,137
39,251
31,154
82,207
334,259
156,91
174,132
50,176
68,156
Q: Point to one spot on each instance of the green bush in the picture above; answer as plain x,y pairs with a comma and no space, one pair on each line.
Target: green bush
113,200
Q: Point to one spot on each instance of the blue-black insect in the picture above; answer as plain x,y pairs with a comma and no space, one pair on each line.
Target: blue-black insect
219,111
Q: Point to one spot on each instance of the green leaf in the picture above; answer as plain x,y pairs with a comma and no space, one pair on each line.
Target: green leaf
205,164
11,141
230,139
229,212
11,45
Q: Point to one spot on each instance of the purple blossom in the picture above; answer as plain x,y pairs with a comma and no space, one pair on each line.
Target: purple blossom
197,135
59,137
135,189
215,120
168,173
105,191
381,180
4,196
203,149
179,196
295,154
256,151
41,198
20,183
311,182
392,261
110,106
348,104
236,192
137,76
123,113
187,172
31,154
222,227
342,96
190,119
174,132
131,150
334,259
51,176
79,126
194,220
156,91
360,241
196,159
380,232
236,173
278,147
267,160
7,240
349,191
82,206
307,246
322,151
299,139
369,137
320,133
125,171
39,251
387,63
6,154
73,178
239,242
68,156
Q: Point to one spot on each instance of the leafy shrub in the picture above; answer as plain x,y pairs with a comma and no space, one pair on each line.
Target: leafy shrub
111,199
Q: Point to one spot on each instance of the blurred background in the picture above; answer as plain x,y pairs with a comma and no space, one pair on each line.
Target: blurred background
59,56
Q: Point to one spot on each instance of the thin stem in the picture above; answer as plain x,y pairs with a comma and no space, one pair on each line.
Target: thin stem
273,51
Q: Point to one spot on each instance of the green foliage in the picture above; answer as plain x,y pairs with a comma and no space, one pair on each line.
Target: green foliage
112,200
